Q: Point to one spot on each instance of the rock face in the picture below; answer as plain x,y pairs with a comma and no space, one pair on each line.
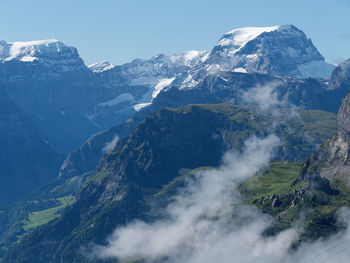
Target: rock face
341,76
26,160
331,161
339,85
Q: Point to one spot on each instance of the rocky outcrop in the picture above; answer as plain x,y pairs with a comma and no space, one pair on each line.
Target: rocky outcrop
331,161
340,78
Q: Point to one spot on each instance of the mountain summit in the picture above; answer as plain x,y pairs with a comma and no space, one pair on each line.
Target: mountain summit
50,52
277,50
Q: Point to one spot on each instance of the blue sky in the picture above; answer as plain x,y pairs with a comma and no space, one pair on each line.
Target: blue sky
119,31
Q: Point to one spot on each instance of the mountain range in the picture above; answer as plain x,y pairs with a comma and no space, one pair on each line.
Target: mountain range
86,149
69,101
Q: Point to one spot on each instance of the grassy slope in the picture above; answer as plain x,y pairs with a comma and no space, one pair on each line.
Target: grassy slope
41,217
275,180
316,210
30,217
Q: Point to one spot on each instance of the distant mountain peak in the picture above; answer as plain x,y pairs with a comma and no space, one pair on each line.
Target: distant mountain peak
27,51
239,37
282,50
49,52
188,58
101,66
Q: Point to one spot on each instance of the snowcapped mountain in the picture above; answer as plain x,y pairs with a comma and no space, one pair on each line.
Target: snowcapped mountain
101,66
155,74
149,71
51,84
188,58
50,53
278,50
69,101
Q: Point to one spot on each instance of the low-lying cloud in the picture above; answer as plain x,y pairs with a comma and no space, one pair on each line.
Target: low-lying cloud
199,226
110,146
208,222
263,96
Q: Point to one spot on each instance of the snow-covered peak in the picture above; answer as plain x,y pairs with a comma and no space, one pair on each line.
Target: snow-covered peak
101,66
238,38
187,58
278,50
28,51
49,52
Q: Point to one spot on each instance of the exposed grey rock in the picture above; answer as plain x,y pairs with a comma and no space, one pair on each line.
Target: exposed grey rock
341,76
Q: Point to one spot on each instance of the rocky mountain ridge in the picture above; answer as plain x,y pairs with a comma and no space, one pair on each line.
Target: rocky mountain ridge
69,101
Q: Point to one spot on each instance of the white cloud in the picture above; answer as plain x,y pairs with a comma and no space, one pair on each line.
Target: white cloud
199,227
109,147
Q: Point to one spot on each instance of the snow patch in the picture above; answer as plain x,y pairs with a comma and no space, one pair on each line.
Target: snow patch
101,66
241,70
50,52
27,51
161,85
140,106
189,82
188,58
238,38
